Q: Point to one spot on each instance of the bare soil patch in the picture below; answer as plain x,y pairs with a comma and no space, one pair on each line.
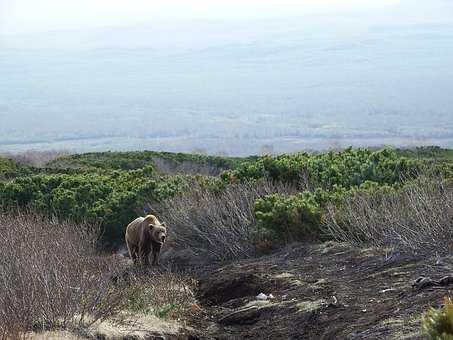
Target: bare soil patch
328,291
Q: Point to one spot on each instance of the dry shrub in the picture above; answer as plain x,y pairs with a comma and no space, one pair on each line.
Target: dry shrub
51,276
167,294
218,226
417,217
12,331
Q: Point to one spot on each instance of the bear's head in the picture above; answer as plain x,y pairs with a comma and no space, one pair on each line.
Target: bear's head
157,229
158,233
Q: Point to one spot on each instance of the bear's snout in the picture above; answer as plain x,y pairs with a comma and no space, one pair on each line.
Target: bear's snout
163,238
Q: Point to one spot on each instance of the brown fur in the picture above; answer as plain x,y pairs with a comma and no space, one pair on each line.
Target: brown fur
143,235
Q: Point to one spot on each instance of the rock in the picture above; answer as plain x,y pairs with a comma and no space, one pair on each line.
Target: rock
387,290
333,302
426,282
262,296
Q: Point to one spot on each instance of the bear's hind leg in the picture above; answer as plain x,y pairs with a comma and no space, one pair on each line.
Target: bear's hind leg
134,256
133,252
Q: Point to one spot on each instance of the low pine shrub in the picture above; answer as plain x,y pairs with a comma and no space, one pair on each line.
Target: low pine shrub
437,324
110,199
348,168
301,216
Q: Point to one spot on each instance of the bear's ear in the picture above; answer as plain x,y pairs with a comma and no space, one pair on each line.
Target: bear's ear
164,224
152,226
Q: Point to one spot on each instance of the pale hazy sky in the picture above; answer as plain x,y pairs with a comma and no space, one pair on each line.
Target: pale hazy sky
44,15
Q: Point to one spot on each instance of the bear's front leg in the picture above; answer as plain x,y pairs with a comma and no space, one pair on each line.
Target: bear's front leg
156,252
144,254
146,261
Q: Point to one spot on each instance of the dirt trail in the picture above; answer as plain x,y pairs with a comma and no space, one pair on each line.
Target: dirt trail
327,291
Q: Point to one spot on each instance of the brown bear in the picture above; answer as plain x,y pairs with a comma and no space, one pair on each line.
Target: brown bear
143,235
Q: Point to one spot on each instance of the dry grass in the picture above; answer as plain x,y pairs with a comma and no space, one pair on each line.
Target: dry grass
217,226
166,294
51,276
419,217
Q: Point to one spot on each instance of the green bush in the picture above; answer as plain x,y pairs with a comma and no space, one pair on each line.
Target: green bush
288,218
109,199
348,168
334,175
10,169
437,324
435,153
111,188
134,160
300,216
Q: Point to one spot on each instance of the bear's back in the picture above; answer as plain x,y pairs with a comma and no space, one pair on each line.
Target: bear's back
133,230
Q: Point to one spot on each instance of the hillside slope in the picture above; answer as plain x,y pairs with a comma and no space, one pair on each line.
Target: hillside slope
326,291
